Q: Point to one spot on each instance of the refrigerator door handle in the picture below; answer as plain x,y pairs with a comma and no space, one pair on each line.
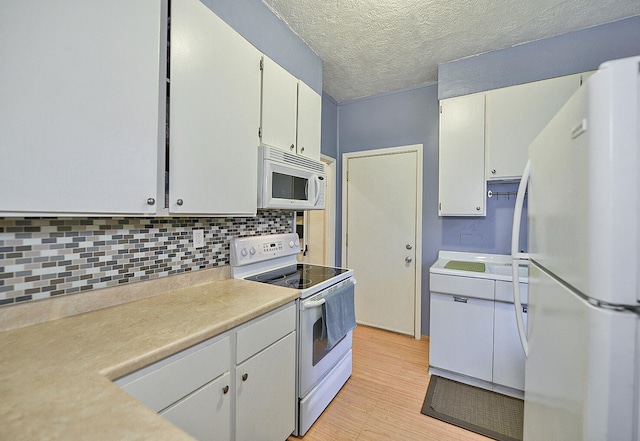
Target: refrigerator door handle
519,310
517,214
519,257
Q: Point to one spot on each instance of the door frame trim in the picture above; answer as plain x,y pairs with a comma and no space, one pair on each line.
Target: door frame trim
330,217
418,149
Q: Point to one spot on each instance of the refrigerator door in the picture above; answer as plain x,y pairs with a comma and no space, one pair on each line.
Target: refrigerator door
584,190
581,374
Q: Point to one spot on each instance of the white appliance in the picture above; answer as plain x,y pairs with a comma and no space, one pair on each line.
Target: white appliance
321,372
290,181
581,375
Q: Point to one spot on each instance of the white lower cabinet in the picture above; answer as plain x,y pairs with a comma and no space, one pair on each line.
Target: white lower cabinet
265,408
461,338
212,395
205,414
473,335
508,355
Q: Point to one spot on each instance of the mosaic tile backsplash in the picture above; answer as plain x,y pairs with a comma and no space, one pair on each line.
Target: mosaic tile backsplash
46,257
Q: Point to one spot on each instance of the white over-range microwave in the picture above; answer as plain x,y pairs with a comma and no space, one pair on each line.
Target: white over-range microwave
290,181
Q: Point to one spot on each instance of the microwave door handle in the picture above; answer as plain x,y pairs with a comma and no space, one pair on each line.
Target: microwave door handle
317,185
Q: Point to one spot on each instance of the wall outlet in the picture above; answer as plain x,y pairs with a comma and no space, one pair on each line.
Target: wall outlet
198,238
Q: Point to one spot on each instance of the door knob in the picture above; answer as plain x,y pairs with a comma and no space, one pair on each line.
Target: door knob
409,246
408,259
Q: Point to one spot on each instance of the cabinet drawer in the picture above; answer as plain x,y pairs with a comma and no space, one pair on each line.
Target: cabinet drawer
504,292
162,384
463,286
264,332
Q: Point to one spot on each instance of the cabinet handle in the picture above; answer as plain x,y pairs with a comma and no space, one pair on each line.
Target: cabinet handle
460,299
292,147
302,149
225,390
244,377
493,172
179,202
151,201
477,208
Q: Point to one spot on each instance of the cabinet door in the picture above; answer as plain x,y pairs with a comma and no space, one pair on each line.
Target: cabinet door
214,115
309,122
461,335
266,396
508,356
79,106
462,186
279,106
515,115
206,413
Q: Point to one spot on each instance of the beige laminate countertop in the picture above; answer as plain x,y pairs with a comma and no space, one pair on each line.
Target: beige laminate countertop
56,377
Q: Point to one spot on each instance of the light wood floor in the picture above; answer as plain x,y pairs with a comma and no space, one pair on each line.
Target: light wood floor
382,399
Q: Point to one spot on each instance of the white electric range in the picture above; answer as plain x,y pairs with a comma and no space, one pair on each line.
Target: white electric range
321,372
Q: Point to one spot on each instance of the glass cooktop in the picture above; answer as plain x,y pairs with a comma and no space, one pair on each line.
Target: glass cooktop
299,276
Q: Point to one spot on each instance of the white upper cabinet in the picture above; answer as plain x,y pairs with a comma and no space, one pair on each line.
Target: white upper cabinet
462,183
214,115
279,106
515,116
309,122
80,107
291,112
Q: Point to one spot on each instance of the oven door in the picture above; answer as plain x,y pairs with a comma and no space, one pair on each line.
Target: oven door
315,360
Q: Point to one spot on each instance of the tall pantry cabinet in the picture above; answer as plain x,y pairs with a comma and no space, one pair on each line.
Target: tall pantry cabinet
80,106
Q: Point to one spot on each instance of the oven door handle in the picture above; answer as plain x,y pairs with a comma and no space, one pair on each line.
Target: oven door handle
309,304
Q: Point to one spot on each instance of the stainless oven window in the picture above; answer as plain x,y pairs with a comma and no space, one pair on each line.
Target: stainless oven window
289,187
319,343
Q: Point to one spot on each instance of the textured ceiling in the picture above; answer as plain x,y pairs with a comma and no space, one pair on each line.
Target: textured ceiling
375,46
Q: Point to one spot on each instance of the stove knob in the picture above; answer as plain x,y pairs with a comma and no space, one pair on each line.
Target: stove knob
244,252
252,251
297,243
291,244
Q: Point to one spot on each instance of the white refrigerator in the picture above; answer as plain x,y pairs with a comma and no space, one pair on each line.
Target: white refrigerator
582,371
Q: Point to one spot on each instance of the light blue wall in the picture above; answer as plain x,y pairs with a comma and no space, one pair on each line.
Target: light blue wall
255,22
395,119
329,138
411,116
566,54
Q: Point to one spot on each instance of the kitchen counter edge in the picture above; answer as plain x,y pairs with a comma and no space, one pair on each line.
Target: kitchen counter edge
56,377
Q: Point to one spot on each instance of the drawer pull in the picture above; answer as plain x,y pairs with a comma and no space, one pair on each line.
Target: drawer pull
225,390
244,377
460,299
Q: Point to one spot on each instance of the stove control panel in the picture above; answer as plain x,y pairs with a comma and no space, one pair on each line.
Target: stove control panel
247,250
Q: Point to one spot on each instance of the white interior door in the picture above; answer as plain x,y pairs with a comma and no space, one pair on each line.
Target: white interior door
382,236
